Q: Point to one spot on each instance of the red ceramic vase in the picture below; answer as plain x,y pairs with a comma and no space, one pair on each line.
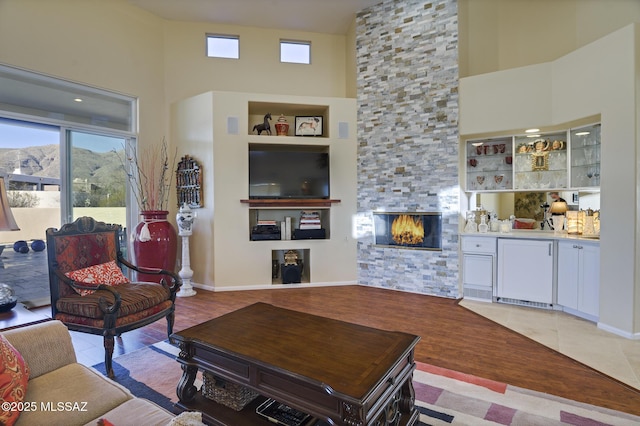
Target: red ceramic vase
156,246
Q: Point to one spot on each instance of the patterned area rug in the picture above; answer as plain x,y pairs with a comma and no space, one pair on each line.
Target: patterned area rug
443,397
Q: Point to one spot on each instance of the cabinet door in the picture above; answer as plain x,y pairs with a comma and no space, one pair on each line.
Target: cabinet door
585,156
489,164
541,163
568,266
589,288
477,270
525,270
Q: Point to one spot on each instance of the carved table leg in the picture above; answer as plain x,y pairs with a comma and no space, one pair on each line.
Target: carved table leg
408,398
186,390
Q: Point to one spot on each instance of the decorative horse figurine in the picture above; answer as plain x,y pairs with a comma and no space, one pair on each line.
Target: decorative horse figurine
264,127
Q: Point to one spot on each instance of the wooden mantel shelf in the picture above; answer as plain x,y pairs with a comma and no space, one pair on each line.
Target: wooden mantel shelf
289,202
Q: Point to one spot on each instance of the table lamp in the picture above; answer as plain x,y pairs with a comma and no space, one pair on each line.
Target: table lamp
558,209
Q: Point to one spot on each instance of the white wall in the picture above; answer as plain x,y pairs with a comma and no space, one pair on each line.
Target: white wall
110,45
222,255
599,78
189,72
503,34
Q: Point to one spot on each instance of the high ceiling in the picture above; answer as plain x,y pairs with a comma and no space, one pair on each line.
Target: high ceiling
320,16
323,16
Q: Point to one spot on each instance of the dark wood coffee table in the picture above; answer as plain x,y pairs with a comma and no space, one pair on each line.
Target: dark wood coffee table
346,373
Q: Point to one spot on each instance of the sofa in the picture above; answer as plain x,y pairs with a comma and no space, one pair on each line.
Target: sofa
60,391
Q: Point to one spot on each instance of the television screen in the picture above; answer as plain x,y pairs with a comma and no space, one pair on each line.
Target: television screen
288,174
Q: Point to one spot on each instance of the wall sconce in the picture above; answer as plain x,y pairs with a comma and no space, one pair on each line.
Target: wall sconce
558,210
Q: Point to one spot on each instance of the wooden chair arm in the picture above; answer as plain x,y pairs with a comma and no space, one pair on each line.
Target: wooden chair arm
175,278
103,303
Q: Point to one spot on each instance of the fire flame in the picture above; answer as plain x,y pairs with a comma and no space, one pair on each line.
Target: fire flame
407,229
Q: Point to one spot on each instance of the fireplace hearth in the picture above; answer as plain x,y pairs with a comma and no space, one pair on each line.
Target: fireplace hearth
408,230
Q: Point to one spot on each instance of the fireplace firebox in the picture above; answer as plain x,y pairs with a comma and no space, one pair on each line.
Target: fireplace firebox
408,230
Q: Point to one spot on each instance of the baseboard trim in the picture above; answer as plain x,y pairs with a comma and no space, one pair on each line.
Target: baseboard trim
272,286
617,331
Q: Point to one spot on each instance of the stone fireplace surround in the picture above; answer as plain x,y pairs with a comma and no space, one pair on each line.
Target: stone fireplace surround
408,138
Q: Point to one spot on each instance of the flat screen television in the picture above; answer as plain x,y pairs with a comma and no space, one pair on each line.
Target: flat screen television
282,173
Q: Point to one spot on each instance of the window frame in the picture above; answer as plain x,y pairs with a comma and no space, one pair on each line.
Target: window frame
296,42
209,36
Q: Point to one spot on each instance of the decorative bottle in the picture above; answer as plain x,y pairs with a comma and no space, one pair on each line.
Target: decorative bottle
471,225
483,228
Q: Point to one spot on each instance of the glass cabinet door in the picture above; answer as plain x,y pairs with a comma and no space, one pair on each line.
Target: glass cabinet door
540,162
585,156
489,164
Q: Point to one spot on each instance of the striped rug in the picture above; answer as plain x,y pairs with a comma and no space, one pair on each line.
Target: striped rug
443,397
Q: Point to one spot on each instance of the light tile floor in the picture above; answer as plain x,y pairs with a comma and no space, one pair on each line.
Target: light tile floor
577,338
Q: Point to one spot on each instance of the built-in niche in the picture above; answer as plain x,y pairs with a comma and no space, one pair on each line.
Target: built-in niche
286,269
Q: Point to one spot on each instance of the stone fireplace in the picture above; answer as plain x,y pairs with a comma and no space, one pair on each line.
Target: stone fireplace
419,231
407,93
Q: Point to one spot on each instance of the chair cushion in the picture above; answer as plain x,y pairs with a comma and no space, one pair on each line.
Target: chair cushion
136,297
98,324
14,376
104,273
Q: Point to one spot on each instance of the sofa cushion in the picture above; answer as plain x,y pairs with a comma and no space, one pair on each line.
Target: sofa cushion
14,376
94,394
136,411
45,346
104,273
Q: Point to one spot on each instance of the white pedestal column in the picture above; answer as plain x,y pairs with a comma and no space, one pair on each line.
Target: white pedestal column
185,219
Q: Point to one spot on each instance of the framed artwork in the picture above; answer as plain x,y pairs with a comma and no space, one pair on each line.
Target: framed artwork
308,125
540,161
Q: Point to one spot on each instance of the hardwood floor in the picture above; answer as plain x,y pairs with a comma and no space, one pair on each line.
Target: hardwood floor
451,337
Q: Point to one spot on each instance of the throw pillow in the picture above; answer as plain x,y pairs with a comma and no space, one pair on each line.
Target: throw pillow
105,273
14,376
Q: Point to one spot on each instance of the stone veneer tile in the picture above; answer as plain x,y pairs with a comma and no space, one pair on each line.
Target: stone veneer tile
407,66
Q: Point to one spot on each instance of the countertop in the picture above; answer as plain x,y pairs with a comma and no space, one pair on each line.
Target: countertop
532,234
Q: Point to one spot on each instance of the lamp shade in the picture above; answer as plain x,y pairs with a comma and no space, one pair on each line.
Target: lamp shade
558,207
7,222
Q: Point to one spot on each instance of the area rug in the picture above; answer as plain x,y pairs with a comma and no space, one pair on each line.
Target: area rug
443,397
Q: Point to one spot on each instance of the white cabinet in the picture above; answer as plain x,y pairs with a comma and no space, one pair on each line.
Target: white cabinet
579,277
478,267
525,271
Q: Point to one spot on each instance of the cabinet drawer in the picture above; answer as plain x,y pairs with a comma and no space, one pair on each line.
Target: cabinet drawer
478,244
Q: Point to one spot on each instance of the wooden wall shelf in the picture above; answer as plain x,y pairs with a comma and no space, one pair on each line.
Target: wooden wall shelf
289,202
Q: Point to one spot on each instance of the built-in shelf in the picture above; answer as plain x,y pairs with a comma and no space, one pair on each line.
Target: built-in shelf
289,202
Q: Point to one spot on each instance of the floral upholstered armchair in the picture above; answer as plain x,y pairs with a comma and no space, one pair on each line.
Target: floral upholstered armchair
89,292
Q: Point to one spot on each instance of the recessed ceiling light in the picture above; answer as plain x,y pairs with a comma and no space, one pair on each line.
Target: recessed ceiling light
476,143
78,100
582,133
532,130
533,136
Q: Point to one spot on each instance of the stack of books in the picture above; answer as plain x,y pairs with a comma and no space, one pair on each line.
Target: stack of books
310,220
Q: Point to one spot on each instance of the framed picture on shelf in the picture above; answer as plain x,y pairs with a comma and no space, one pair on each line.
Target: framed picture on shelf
308,125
